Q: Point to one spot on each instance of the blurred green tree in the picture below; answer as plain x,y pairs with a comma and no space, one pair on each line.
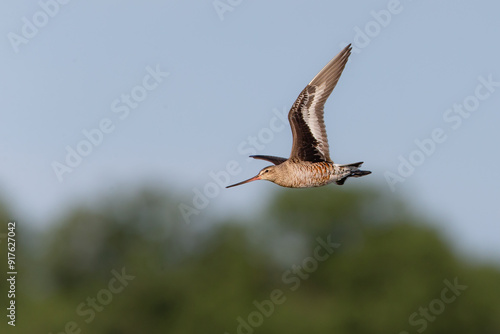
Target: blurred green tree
356,262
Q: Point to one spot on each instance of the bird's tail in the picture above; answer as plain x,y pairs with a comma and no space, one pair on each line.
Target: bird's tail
353,171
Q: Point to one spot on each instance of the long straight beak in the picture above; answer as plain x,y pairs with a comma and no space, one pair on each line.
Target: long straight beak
255,178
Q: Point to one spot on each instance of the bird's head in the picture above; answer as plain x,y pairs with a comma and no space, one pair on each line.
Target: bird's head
267,173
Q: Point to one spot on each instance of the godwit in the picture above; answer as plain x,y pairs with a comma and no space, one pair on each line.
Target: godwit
309,164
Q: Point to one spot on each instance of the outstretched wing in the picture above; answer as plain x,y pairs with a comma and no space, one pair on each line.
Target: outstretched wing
270,158
310,142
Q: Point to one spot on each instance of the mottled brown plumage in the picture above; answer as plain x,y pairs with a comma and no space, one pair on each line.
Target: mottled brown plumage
309,164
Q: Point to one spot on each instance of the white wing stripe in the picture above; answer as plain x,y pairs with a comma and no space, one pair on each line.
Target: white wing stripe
310,116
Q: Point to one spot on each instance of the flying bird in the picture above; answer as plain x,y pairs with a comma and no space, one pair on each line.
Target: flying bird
309,164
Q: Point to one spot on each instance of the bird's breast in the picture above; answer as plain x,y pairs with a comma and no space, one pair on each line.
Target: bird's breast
307,175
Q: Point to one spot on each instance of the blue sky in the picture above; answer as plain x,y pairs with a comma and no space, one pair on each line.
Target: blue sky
179,90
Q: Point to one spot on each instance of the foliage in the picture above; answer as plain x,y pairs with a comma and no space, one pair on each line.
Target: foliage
385,274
